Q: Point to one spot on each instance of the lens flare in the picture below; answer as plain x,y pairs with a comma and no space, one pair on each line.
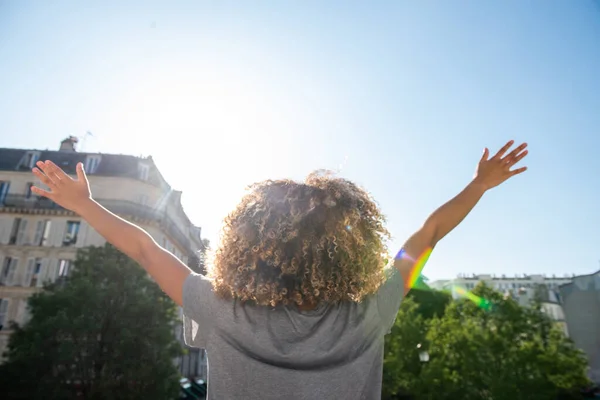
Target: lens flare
479,301
415,277
418,265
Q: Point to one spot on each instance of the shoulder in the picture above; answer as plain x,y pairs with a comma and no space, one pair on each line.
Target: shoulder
198,309
389,296
198,294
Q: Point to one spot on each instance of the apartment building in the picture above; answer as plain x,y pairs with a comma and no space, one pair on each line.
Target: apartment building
501,283
39,239
523,289
581,303
550,302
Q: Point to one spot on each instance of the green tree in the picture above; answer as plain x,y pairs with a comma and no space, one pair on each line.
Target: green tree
402,365
497,350
500,352
430,303
203,254
106,332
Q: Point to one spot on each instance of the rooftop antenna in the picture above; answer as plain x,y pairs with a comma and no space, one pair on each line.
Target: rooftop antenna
342,165
83,139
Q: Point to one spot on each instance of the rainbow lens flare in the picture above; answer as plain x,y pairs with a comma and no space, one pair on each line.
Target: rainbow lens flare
417,269
418,266
479,301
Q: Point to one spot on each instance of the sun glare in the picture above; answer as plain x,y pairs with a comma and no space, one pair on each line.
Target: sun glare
206,136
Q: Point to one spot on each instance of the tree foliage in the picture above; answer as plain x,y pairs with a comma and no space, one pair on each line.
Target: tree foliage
203,255
106,332
504,352
401,363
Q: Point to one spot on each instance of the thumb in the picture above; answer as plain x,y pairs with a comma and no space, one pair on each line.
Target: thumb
81,173
485,155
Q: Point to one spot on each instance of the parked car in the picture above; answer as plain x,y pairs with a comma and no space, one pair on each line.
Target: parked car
200,386
187,390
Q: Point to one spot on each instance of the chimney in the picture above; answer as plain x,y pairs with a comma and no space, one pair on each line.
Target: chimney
68,145
176,196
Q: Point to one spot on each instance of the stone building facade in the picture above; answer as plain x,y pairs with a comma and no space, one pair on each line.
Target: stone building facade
39,240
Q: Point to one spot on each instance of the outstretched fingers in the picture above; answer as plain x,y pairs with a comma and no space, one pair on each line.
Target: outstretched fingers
517,158
518,171
504,149
52,180
53,172
514,157
81,177
485,155
79,171
44,178
58,172
46,181
41,192
516,152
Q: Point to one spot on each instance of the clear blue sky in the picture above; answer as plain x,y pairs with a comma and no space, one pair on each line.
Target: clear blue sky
402,95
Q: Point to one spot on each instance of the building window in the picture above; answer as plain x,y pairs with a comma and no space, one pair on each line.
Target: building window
14,231
64,266
19,229
32,274
71,233
9,270
46,236
29,272
22,237
28,191
4,187
31,157
47,272
42,233
91,163
3,311
143,171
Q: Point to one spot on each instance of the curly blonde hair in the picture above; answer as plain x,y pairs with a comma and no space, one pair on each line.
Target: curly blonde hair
302,243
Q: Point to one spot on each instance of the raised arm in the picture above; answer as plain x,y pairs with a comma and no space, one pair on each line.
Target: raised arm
490,173
74,194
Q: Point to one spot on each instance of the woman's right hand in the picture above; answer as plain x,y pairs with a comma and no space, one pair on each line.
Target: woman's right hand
72,194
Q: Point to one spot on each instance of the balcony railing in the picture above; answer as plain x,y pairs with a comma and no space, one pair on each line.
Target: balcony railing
120,207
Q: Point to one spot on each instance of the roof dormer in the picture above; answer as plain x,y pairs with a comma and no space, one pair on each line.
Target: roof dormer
143,171
91,163
30,158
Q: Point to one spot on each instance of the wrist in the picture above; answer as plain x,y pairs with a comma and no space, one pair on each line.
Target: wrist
479,186
84,206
